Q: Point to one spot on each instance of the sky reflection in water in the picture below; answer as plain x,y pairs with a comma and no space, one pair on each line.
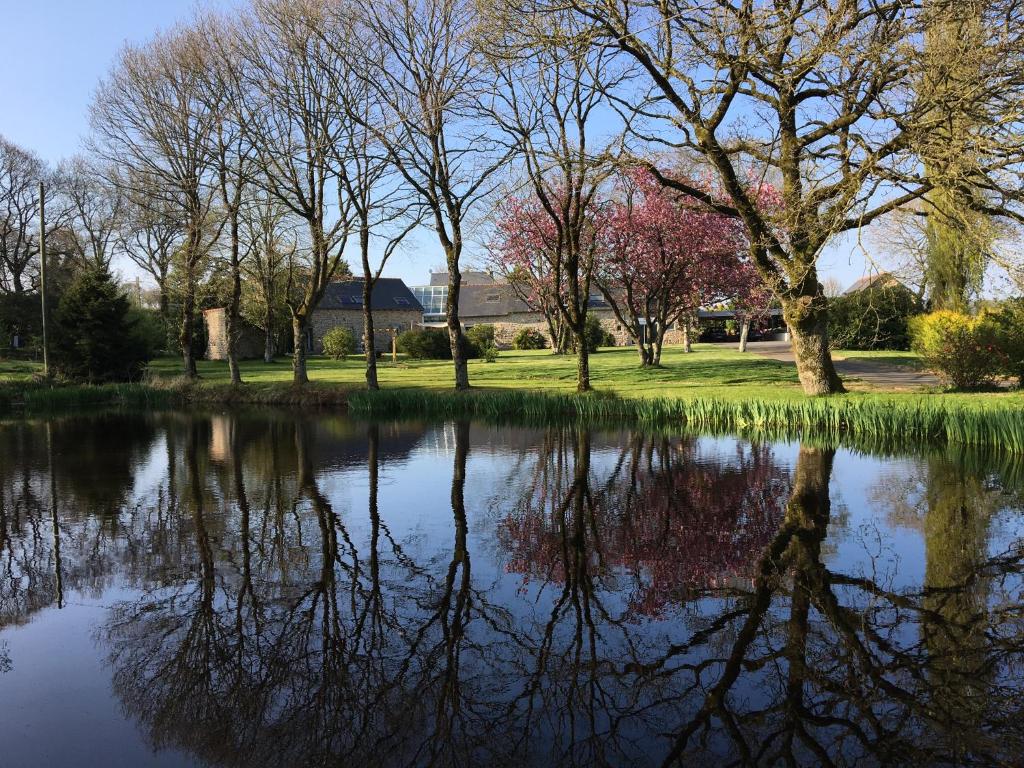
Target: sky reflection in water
278,589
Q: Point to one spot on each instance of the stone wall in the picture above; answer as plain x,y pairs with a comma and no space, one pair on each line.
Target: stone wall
324,320
507,326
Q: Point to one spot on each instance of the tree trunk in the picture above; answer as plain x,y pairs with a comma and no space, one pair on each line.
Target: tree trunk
659,342
454,325
582,361
564,339
236,300
165,315
165,303
807,318
641,349
188,306
368,335
687,342
299,375
268,342
554,333
268,320
744,332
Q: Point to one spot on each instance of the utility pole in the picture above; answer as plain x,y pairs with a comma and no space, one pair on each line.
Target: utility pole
42,276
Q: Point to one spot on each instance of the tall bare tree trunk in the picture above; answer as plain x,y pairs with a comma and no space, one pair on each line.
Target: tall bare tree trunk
458,344
368,332
687,332
188,308
269,347
299,324
233,315
268,340
807,318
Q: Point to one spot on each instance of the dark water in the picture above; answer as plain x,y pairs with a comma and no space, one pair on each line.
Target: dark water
300,590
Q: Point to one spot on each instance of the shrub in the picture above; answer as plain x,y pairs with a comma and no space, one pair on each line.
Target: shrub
529,338
94,339
596,335
150,330
490,354
873,319
479,338
425,344
962,350
339,343
1009,316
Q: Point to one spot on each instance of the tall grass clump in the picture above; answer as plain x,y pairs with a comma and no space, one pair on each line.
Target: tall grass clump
37,397
879,422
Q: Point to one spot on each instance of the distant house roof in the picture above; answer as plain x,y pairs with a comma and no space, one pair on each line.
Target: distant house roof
880,280
468,278
388,293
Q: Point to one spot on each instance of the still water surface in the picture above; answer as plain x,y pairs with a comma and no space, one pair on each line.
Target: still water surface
281,589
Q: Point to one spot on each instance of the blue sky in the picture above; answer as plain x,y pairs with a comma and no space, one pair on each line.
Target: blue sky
55,52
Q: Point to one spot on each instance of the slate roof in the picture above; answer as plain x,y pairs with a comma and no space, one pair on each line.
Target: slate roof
499,299
388,293
470,277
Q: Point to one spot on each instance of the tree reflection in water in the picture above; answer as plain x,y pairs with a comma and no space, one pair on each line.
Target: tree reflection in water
625,600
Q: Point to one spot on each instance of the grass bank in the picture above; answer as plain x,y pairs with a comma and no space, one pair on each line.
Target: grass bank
712,389
35,397
879,421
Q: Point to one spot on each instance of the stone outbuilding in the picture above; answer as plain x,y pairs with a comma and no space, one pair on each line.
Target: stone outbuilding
250,342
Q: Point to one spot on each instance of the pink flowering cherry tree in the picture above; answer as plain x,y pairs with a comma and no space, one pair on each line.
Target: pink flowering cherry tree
664,256
528,247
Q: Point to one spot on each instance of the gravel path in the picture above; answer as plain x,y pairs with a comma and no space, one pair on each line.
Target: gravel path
878,375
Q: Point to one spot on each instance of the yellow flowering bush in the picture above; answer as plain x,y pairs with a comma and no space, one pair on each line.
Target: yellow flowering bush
962,350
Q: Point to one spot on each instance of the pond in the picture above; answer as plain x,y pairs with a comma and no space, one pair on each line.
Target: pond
295,589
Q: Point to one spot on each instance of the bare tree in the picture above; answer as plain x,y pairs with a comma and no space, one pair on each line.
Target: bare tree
150,115
293,120
149,235
270,243
807,116
223,86
384,211
422,59
94,209
550,102
20,174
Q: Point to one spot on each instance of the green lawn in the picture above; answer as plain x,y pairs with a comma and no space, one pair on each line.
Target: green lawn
709,370
18,370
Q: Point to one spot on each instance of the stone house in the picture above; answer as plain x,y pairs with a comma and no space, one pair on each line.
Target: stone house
393,304
487,300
